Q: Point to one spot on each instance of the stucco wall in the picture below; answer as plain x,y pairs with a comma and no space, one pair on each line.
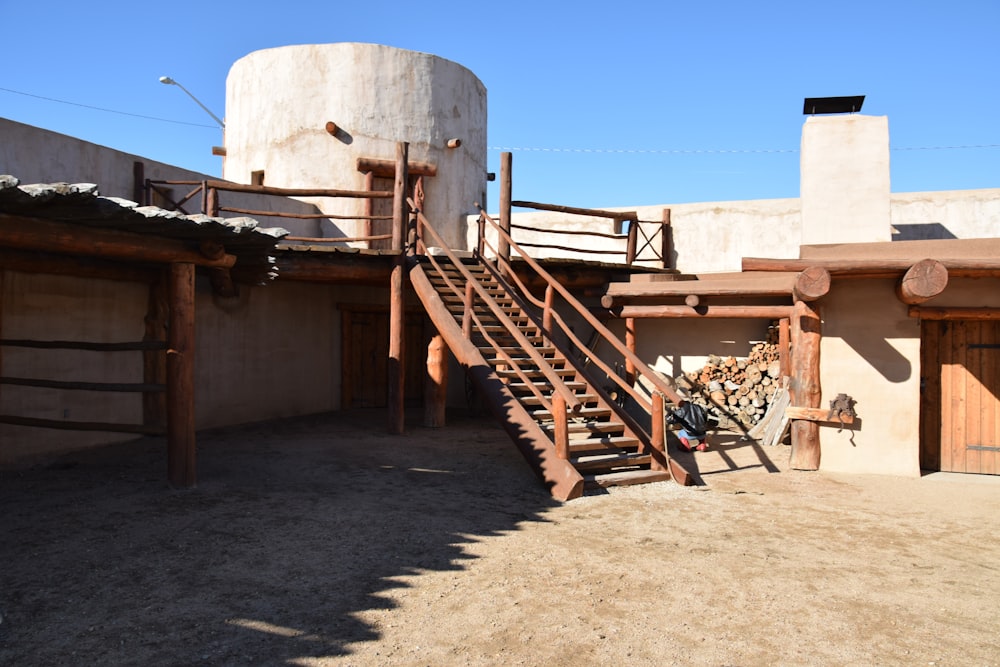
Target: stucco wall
870,350
278,102
273,352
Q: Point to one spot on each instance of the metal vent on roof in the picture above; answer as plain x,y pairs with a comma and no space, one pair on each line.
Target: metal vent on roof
824,105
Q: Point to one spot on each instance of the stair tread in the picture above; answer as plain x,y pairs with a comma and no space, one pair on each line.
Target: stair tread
625,478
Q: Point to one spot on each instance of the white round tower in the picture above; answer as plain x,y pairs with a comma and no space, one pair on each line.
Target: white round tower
330,116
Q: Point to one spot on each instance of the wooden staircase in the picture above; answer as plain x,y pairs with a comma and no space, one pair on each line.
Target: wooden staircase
564,422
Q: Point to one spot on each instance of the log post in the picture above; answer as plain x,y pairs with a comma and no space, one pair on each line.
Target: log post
181,471
560,433
658,438
632,242
436,388
804,388
470,295
369,209
922,281
154,366
397,314
630,344
667,241
784,352
506,189
481,241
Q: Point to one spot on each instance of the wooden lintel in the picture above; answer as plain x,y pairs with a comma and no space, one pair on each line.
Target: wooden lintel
34,234
346,269
944,313
79,267
387,168
817,415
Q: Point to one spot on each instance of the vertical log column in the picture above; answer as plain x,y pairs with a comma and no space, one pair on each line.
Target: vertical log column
397,314
436,388
630,344
667,241
805,387
506,189
180,378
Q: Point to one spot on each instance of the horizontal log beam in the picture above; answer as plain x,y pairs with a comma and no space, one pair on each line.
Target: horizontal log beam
27,233
817,415
807,285
869,268
705,312
24,261
387,168
346,269
593,212
927,313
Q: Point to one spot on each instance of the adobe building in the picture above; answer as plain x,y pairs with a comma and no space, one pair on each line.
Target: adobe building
336,262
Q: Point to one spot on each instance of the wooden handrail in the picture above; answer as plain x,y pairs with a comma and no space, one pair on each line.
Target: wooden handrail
605,333
555,380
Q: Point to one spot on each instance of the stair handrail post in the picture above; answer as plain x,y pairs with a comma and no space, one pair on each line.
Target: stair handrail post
481,241
506,188
658,436
547,313
470,293
560,421
633,238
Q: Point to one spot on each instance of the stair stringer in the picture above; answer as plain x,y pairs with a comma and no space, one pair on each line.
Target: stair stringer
563,481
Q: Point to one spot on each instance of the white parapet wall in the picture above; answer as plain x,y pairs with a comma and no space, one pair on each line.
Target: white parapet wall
279,101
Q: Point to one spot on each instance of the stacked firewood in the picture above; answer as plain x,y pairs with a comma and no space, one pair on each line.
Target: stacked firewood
736,391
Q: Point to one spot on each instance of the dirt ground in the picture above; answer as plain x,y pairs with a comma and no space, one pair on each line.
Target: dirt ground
319,541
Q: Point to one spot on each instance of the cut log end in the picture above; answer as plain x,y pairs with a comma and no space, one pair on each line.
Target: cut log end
812,283
922,282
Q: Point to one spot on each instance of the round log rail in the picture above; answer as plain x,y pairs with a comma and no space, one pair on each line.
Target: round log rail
806,285
706,312
871,268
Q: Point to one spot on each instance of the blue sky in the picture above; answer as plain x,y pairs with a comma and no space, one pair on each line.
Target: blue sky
601,104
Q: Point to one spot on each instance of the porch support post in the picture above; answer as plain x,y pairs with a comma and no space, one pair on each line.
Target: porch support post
436,388
181,470
804,388
397,306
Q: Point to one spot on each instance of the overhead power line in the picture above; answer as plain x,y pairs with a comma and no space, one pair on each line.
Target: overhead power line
122,113
524,149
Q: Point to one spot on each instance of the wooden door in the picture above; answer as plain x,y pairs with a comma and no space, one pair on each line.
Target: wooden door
960,396
365,363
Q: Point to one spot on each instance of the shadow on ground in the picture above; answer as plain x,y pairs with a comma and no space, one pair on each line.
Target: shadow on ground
295,528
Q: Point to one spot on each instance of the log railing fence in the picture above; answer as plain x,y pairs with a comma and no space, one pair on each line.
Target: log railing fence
208,194
144,388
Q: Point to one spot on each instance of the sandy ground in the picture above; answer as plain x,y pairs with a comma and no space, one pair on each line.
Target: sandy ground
320,542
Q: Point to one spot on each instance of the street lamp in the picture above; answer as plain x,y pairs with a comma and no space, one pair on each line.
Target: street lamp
170,82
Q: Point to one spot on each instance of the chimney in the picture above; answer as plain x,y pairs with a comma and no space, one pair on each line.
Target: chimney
844,172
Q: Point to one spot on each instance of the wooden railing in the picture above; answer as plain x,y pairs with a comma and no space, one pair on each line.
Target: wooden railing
145,388
554,324
635,230
207,195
